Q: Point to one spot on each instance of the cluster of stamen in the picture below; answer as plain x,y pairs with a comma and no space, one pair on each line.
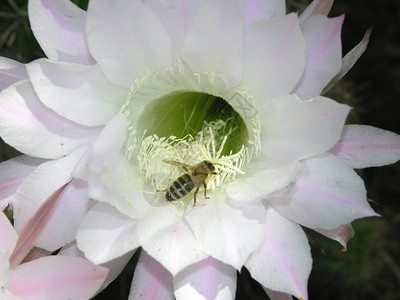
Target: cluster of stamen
154,151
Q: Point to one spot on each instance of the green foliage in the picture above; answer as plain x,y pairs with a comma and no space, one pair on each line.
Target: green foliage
16,37
81,3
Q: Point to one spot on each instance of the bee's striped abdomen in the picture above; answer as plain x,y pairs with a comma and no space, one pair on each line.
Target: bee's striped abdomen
179,188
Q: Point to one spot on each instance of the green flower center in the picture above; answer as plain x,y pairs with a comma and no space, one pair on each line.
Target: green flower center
184,114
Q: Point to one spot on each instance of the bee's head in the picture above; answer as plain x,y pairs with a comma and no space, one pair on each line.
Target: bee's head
209,165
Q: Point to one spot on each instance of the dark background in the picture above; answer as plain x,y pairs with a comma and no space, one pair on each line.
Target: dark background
370,269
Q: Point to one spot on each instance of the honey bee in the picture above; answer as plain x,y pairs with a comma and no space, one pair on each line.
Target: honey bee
195,177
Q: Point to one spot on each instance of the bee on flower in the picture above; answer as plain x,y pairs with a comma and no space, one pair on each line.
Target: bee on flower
141,98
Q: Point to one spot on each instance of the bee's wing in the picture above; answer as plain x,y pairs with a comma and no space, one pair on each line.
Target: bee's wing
178,164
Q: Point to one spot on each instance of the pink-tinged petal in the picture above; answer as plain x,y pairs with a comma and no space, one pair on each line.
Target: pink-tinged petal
177,17
72,207
127,40
342,234
293,129
12,173
317,7
11,72
364,146
169,240
36,253
30,127
350,59
257,10
9,296
59,27
323,54
327,195
283,263
39,186
263,179
151,280
274,57
4,271
274,295
106,234
207,279
8,235
71,249
217,31
115,266
29,233
224,232
78,92
56,277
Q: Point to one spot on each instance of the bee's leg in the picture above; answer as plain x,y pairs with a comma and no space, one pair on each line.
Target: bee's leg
205,190
194,196
161,191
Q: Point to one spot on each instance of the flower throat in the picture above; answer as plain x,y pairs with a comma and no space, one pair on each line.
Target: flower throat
178,115
190,127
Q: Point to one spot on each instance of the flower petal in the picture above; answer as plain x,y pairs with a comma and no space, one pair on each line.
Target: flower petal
177,17
12,173
151,280
317,7
207,279
273,57
170,241
327,195
33,228
257,10
30,127
105,234
342,234
11,71
4,270
80,93
108,143
217,31
294,129
226,233
8,235
65,221
126,40
59,27
283,263
365,146
9,296
56,277
119,185
274,295
39,186
323,54
264,179
349,60
111,178
115,266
